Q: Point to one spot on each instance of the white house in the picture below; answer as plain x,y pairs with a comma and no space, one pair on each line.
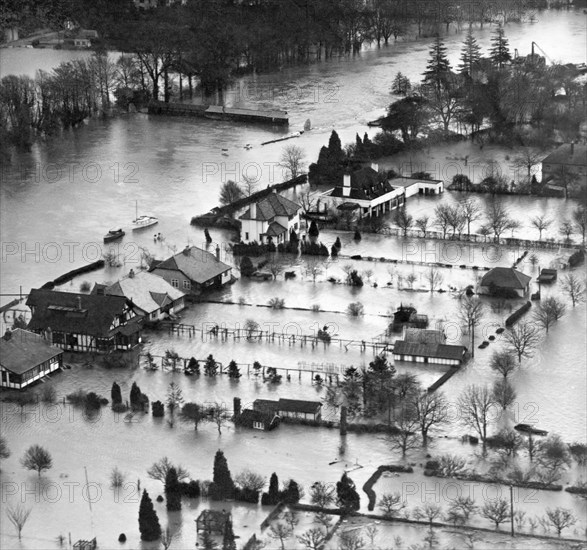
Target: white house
371,193
272,217
152,296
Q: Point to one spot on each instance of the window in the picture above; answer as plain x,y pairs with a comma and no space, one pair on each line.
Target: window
175,283
246,236
258,425
186,285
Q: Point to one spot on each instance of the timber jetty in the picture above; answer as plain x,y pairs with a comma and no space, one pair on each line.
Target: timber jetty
223,216
218,112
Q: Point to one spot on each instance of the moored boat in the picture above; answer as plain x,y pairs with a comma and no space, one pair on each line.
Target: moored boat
113,235
526,428
141,222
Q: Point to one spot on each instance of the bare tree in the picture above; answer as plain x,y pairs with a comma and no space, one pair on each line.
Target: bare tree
313,539
275,269
4,450
460,509
307,201
560,518
350,540
503,362
522,338
471,313
475,405
391,504
496,511
249,185
430,411
218,415
160,469
292,160
403,220
18,516
471,212
542,223
498,218
503,393
422,224
37,458
405,437
249,480
574,288
281,531
553,456
429,510
451,465
434,278
442,218
322,494
456,220
528,158
549,311
313,269
566,229
411,279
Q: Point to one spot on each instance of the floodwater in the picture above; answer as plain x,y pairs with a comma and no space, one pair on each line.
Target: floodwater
60,199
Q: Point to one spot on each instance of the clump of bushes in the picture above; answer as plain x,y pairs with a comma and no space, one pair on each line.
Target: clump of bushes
138,400
354,279
276,303
190,489
85,286
355,309
246,267
89,400
313,248
158,409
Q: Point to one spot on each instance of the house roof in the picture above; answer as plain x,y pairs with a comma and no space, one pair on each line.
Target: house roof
249,416
24,351
266,405
436,351
196,264
271,206
424,336
562,155
275,229
366,184
298,405
400,181
147,291
70,312
506,277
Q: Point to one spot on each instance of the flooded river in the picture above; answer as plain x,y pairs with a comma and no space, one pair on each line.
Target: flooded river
58,201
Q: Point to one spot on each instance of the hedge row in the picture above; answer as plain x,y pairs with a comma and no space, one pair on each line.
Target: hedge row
515,316
368,487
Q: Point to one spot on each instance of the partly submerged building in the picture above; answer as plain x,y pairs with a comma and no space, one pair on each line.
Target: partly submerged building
258,420
290,408
505,282
427,346
26,357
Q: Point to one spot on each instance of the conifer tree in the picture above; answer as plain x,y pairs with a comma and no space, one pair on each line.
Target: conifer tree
116,394
499,52
470,54
135,395
228,540
148,521
291,494
438,68
172,491
273,496
335,147
313,231
348,499
222,479
233,371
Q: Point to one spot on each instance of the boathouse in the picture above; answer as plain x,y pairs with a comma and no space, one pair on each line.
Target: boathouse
273,217
290,408
442,354
153,297
84,322
194,270
505,282
25,358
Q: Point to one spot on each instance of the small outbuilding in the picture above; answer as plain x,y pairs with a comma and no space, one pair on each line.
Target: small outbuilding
213,521
290,408
26,357
547,276
258,420
505,282
442,354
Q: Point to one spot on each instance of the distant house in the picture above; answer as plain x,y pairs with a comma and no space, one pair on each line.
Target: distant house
408,316
272,218
213,521
505,281
370,193
258,420
84,322
422,352
194,270
153,297
569,158
290,408
26,357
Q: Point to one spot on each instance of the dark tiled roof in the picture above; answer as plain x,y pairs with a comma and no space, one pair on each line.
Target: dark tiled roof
424,336
196,264
366,184
271,206
437,351
275,229
68,312
248,417
505,277
401,181
297,405
24,351
265,405
563,155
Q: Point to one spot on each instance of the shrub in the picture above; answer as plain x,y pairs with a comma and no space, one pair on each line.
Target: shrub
85,286
158,409
357,236
355,309
354,279
48,394
276,303
246,267
316,308
190,489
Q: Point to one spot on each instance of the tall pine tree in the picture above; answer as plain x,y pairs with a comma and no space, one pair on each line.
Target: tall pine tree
438,69
172,491
116,394
470,54
499,52
148,521
222,479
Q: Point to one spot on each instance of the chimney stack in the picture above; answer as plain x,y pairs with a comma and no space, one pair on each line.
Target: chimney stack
186,251
253,210
8,334
346,185
131,274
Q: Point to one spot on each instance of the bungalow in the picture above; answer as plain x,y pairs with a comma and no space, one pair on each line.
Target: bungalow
569,158
443,354
194,270
290,408
547,276
258,420
84,322
153,297
371,193
26,357
505,281
273,217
